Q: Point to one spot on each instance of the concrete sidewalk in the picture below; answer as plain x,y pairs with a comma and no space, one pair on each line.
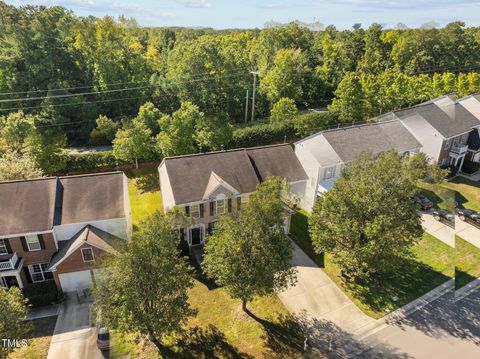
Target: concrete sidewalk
316,294
73,337
467,232
438,229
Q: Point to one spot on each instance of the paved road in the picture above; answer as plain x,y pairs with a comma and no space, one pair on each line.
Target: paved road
317,297
467,232
443,329
73,337
438,229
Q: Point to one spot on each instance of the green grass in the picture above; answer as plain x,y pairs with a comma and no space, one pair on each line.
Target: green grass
465,192
432,264
144,190
38,340
467,263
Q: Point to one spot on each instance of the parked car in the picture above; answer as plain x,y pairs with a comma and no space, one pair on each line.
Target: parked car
444,216
423,202
469,216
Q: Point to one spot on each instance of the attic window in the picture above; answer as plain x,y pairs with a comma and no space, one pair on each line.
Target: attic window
87,254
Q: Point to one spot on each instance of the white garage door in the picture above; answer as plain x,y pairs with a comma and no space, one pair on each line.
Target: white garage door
70,282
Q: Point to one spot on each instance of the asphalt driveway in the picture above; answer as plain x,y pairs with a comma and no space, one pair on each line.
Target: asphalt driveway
467,232
438,229
74,337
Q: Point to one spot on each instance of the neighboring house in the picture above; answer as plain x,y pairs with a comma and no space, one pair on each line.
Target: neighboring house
324,154
443,127
472,104
207,185
55,228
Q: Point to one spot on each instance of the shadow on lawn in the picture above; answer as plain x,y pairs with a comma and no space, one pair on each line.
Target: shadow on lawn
204,344
199,275
286,335
148,182
411,280
462,278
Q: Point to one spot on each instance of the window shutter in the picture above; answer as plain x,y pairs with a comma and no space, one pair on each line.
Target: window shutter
211,209
187,210
210,228
24,243
239,204
229,205
202,210
27,274
182,233
7,244
42,242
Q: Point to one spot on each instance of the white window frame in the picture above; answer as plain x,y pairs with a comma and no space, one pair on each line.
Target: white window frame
3,247
91,251
42,269
3,282
195,213
447,144
225,206
33,237
329,173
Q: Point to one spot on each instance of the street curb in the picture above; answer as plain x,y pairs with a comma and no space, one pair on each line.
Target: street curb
467,289
408,308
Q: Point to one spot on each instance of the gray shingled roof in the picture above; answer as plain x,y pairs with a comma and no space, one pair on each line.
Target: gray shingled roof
243,169
375,137
90,235
91,197
462,121
30,206
27,206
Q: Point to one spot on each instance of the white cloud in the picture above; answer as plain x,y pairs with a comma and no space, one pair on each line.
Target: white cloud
195,3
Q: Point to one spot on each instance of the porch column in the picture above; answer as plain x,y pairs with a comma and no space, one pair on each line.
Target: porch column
19,280
461,163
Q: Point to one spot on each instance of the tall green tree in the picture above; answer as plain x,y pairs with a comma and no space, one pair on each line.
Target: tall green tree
178,130
213,132
249,254
144,288
150,116
13,325
349,102
368,222
133,144
104,132
283,110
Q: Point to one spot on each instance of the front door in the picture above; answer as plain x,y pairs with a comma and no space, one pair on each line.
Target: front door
196,236
11,281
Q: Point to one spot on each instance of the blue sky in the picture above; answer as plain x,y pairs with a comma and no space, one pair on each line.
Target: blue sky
250,13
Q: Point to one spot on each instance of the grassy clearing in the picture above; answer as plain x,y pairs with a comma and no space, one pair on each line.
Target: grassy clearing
464,192
38,341
431,265
144,190
467,263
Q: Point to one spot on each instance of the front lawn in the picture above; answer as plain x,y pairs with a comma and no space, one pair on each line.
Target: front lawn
465,192
467,263
144,190
432,264
38,340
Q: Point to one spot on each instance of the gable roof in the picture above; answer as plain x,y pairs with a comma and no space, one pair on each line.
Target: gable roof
27,206
91,197
214,183
33,206
243,169
375,137
88,235
449,120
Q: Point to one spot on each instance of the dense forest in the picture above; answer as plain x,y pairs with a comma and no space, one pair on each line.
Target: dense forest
79,81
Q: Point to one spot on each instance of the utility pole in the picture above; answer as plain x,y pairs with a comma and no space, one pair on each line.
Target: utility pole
254,73
246,107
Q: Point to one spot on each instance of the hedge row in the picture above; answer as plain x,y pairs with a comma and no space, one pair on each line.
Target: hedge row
41,294
263,134
87,161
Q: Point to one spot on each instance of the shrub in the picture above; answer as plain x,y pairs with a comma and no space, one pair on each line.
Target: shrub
41,294
263,134
283,110
470,167
313,122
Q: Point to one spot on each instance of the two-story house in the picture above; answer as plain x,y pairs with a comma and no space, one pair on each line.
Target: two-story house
55,228
472,104
208,185
323,155
443,127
